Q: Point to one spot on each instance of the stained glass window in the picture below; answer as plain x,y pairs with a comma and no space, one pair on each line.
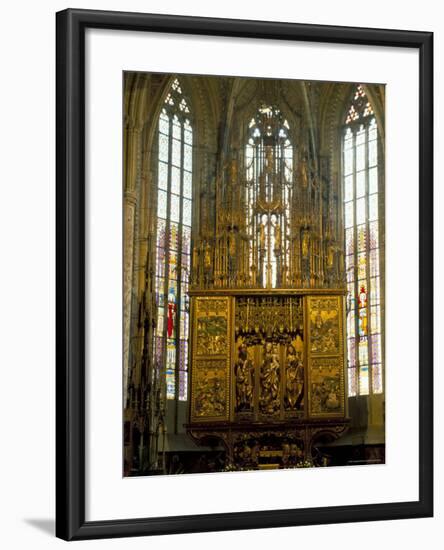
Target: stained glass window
362,258
174,210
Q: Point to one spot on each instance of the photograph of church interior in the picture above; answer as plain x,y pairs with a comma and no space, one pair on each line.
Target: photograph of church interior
253,274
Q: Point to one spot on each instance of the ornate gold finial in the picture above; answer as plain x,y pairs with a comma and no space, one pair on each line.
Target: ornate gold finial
269,231
303,171
233,171
207,256
270,159
305,242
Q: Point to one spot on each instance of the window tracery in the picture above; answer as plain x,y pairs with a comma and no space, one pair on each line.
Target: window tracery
362,247
173,240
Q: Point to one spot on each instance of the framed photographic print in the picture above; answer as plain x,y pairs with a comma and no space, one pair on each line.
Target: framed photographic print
244,274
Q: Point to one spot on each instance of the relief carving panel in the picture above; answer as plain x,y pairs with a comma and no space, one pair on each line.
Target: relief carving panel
324,323
210,388
326,386
211,326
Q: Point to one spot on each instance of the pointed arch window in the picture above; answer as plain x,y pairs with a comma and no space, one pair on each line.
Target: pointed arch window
362,247
173,240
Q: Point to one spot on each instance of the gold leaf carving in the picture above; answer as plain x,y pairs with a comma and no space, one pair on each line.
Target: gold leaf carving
210,388
211,326
324,326
326,394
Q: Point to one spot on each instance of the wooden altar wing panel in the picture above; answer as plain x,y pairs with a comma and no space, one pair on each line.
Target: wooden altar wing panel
211,359
325,356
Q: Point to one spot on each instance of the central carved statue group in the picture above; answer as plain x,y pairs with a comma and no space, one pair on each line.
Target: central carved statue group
273,393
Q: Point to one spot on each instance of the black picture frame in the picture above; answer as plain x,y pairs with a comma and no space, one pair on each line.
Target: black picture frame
70,274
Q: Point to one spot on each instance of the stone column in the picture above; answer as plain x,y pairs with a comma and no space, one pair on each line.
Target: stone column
132,146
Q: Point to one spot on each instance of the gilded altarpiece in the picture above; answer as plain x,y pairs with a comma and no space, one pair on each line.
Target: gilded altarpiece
267,373
267,288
